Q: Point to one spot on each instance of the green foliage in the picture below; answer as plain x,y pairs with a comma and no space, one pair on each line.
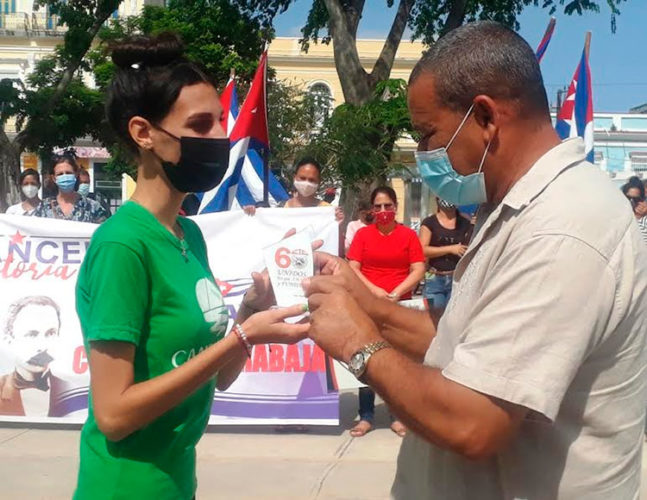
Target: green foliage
10,94
357,142
292,122
216,33
427,18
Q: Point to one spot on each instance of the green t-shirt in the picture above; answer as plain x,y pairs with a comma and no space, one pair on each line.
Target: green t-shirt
140,284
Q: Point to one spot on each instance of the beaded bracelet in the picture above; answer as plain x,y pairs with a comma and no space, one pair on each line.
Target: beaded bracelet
242,338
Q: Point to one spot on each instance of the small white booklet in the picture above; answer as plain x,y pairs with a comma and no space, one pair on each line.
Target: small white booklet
288,263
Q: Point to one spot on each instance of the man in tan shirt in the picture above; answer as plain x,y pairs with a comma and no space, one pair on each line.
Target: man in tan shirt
532,385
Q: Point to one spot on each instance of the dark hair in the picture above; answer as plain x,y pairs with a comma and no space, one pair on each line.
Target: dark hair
634,183
30,300
151,73
389,191
65,157
308,160
484,58
26,173
83,171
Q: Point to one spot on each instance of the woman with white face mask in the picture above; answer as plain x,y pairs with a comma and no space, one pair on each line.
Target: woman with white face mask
29,186
307,177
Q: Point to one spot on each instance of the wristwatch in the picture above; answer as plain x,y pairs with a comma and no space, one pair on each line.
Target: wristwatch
359,360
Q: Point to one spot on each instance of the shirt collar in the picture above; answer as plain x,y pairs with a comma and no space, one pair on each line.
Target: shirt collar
544,171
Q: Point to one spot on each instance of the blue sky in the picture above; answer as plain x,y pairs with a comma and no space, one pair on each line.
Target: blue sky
618,61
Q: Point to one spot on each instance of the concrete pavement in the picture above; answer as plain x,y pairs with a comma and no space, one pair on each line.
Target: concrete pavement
233,462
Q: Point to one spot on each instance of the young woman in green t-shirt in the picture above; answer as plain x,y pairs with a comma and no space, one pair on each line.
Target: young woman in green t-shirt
153,319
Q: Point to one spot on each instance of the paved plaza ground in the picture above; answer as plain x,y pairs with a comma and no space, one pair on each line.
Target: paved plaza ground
233,462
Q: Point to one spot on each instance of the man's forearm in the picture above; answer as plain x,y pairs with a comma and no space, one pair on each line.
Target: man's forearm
408,330
443,412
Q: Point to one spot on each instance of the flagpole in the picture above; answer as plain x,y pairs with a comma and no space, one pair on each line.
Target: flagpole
587,44
545,40
266,152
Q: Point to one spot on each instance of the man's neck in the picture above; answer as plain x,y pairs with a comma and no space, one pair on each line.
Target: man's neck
520,160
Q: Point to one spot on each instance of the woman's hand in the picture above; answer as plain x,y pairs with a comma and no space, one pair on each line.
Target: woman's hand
268,327
260,296
459,249
641,209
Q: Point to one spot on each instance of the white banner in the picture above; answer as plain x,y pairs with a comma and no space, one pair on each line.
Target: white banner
39,264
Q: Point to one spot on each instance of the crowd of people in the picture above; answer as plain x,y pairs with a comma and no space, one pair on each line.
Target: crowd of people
527,383
73,200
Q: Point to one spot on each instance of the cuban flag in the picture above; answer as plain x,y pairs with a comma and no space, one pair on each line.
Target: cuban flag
229,101
575,119
243,182
543,45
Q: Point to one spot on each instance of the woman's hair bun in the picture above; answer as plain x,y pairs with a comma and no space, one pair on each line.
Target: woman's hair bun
158,50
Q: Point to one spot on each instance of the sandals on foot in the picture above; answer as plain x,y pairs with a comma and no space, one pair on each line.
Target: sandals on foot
362,427
399,428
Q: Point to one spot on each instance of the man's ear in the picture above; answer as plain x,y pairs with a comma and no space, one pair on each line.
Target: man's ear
488,115
140,130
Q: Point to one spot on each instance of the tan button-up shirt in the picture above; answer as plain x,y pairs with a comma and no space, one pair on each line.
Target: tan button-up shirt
549,312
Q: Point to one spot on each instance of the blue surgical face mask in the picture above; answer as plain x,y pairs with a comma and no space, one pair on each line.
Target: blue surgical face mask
66,182
84,189
437,172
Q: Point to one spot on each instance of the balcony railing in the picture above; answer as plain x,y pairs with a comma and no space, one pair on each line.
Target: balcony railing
34,24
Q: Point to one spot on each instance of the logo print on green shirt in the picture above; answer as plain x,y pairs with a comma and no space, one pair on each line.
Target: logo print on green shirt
211,304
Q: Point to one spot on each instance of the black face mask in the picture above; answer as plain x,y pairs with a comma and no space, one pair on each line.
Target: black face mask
203,163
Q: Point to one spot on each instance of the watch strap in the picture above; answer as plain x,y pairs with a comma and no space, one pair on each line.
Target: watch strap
368,350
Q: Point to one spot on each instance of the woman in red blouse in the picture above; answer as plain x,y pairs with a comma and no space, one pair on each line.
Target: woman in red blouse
388,258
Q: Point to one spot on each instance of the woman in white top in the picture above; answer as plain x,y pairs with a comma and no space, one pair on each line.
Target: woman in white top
29,186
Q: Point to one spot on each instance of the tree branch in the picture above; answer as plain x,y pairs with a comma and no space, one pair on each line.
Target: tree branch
456,16
384,63
68,73
354,14
353,78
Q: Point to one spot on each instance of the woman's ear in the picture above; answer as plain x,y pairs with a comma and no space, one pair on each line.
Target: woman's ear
140,130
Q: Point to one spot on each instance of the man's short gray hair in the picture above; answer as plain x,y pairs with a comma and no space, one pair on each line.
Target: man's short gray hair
484,58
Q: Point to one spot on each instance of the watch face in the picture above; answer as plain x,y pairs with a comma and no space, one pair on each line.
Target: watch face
356,362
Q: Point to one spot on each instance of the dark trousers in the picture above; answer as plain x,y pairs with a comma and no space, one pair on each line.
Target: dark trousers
366,404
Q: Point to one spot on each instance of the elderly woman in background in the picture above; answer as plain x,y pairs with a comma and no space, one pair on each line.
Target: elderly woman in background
388,258
68,204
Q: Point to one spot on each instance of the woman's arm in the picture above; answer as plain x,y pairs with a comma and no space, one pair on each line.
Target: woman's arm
376,290
434,252
228,374
122,406
416,273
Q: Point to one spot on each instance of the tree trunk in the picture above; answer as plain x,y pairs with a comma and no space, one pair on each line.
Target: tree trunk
456,16
384,64
352,76
358,85
9,172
